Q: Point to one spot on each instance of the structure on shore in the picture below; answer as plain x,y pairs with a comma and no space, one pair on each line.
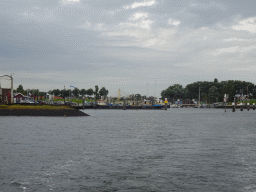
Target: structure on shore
6,89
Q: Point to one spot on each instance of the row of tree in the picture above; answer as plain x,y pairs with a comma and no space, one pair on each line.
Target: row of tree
103,92
21,90
65,92
210,91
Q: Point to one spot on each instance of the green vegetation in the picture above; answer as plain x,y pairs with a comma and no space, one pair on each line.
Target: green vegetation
211,91
103,92
250,101
65,93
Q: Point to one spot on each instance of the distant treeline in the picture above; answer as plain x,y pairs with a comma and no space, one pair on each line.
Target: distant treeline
65,92
210,91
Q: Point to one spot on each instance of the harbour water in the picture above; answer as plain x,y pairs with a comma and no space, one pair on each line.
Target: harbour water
132,150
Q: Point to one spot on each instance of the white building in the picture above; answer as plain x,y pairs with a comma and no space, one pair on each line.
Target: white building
6,89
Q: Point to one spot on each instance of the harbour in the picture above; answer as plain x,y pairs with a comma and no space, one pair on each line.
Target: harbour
134,150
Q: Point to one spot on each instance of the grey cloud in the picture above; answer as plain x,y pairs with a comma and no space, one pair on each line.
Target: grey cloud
65,44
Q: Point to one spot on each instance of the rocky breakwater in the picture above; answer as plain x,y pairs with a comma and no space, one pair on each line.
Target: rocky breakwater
66,112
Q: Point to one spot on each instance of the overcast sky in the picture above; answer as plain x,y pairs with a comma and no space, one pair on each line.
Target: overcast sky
127,45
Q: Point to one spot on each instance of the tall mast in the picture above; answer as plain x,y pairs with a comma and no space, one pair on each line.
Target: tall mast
147,89
199,95
155,89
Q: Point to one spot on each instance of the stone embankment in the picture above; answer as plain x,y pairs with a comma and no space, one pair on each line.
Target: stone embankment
42,112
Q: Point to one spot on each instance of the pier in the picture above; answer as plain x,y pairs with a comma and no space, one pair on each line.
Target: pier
120,107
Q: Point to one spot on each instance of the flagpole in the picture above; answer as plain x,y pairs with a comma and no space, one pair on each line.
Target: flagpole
69,91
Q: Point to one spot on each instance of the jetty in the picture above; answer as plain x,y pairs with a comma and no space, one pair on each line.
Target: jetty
146,107
44,110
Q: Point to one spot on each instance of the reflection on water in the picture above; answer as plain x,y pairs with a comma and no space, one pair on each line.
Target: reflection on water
132,150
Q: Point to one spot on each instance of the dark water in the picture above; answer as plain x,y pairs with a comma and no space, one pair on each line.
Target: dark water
142,150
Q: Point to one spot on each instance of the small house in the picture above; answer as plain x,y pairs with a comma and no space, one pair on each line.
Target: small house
18,98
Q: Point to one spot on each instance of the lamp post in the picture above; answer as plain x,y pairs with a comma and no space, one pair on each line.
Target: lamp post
64,94
241,98
199,95
27,93
75,96
83,102
12,88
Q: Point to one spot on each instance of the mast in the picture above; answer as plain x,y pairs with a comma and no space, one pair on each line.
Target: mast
155,89
199,95
147,89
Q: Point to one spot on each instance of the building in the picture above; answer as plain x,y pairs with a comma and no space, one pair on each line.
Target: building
6,89
20,98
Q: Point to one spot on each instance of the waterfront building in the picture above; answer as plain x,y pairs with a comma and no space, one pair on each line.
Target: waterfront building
6,89
20,98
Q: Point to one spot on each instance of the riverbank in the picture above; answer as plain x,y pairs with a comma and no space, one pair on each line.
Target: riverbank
18,110
31,106
42,112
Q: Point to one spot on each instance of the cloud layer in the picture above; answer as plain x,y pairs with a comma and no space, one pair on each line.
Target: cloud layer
126,46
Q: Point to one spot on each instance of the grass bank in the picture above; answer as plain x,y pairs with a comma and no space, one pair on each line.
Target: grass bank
250,101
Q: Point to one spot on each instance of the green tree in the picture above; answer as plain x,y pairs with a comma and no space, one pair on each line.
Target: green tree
41,94
213,93
210,90
89,92
229,89
96,93
36,93
131,97
193,90
174,92
83,92
20,89
165,94
254,91
64,93
144,97
138,96
75,92
103,92
56,92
